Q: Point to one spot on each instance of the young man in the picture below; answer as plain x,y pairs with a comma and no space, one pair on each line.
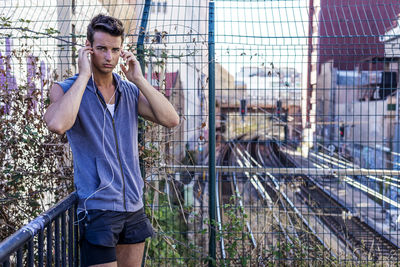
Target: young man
99,112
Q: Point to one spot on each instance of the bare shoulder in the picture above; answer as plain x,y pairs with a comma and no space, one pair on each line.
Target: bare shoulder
56,92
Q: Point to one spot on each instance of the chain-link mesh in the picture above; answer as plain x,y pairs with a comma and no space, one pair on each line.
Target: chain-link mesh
306,125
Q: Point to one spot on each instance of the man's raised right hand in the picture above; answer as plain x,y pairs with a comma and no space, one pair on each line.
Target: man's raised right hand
84,63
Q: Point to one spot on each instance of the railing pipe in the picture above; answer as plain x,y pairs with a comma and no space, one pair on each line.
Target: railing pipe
76,229
15,241
63,240
57,240
70,237
30,253
289,171
49,252
40,247
19,257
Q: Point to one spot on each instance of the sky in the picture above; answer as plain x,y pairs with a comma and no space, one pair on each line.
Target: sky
261,33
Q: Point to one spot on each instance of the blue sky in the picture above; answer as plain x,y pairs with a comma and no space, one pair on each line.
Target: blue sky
259,33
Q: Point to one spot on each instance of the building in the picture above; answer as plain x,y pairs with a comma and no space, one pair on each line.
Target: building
176,39
345,68
171,86
271,84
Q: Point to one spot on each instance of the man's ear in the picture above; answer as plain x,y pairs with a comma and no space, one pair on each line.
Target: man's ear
87,43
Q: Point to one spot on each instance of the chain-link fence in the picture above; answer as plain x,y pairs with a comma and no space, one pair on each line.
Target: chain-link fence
288,147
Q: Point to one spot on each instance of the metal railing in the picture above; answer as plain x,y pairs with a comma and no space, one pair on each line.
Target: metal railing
289,170
51,239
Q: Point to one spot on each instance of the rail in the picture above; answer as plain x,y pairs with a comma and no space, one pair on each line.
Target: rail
43,241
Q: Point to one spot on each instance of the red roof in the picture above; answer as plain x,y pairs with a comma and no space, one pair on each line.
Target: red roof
349,30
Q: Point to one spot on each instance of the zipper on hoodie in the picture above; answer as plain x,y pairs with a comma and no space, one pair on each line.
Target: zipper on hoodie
116,144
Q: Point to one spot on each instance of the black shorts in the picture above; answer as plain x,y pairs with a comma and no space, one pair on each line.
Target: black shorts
101,231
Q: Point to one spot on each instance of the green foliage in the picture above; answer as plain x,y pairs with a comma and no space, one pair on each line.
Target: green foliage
35,167
235,234
51,31
167,244
31,162
5,22
163,246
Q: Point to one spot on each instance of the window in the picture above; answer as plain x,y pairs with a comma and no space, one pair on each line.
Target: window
348,78
160,6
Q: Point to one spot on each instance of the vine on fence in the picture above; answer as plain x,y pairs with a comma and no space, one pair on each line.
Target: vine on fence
34,165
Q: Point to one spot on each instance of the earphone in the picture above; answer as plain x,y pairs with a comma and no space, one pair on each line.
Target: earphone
104,152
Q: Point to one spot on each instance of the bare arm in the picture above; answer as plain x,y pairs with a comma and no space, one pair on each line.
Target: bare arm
152,104
60,116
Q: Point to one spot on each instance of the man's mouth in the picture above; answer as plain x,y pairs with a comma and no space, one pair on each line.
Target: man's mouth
107,65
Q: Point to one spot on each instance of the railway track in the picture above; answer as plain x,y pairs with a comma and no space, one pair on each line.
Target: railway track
362,240
289,233
299,226
227,184
301,199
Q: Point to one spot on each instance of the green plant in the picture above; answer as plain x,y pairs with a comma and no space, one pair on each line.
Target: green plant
34,166
170,245
235,234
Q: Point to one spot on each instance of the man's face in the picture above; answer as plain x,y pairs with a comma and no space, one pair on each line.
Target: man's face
106,51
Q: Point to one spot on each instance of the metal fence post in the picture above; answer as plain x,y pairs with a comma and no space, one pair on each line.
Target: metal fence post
140,57
142,34
211,137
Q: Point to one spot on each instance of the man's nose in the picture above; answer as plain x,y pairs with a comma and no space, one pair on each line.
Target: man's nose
108,55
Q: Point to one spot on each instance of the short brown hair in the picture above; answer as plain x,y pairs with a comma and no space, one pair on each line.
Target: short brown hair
107,24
